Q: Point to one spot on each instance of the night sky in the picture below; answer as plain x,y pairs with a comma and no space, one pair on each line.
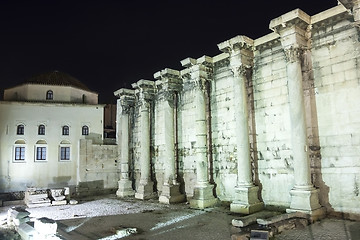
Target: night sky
110,44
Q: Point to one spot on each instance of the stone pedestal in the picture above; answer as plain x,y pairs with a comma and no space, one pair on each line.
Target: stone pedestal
145,190
246,200
171,194
125,188
203,196
304,200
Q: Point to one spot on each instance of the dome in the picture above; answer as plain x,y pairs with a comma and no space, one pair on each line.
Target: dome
56,78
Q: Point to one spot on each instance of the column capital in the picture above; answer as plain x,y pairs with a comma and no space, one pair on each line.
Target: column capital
293,28
293,54
235,44
168,80
126,96
242,70
144,89
198,71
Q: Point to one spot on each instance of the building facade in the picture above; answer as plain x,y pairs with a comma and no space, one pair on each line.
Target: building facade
272,121
48,126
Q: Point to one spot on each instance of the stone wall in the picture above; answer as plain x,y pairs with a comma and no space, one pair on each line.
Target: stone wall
98,168
335,55
272,121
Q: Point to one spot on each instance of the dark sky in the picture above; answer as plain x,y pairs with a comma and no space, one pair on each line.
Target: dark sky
109,44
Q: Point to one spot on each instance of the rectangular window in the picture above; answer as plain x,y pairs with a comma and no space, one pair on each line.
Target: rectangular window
41,153
65,153
19,153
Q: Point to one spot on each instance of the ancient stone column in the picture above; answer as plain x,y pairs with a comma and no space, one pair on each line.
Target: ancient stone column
144,90
169,83
124,104
198,74
241,60
292,28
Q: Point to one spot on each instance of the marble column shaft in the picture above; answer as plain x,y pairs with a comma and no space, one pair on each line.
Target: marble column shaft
201,134
145,142
297,120
244,173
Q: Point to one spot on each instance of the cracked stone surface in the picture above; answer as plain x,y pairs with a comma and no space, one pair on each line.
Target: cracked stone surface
325,230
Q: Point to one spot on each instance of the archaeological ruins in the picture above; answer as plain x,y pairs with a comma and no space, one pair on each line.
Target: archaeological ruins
272,122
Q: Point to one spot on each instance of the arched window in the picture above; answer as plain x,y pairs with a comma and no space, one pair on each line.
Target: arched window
85,130
41,150
41,130
20,129
65,130
49,95
19,151
65,151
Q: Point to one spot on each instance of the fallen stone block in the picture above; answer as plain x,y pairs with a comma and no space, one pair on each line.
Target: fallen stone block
37,196
34,205
73,202
45,226
250,219
57,203
281,217
26,231
18,222
18,212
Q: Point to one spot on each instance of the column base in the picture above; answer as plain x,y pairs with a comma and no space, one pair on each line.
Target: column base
125,189
203,197
247,201
145,191
171,194
306,201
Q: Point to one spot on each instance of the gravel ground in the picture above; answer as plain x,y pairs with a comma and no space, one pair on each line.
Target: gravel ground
92,207
109,218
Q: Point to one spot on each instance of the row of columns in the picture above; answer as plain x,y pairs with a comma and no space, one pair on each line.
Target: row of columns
304,197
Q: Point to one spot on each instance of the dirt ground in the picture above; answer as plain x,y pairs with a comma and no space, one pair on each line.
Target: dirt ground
109,218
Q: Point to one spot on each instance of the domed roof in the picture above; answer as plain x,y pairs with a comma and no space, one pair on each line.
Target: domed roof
56,78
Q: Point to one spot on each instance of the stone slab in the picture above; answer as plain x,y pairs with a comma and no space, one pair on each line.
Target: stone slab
36,196
18,222
43,200
250,219
61,202
45,226
34,205
58,198
18,213
26,231
73,202
281,217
